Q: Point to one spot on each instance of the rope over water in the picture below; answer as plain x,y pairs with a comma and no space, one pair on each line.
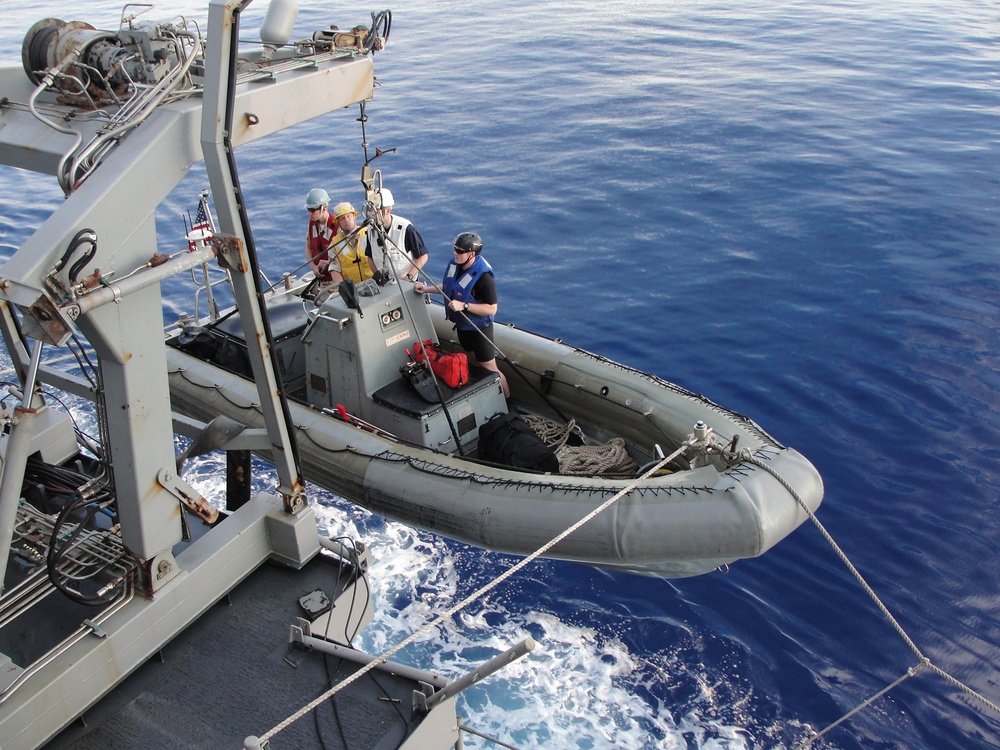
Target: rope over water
924,662
447,614
555,435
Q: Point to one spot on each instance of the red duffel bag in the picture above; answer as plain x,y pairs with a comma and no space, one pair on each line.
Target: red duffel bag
452,369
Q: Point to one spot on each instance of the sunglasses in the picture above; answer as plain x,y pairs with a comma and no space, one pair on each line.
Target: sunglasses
314,210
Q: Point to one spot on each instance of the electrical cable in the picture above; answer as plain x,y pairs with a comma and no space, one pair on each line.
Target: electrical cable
381,26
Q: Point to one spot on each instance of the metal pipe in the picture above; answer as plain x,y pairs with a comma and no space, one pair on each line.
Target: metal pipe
497,662
31,378
16,459
360,657
342,550
24,596
115,291
81,632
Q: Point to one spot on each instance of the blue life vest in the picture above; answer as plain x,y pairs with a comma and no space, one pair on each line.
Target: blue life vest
461,289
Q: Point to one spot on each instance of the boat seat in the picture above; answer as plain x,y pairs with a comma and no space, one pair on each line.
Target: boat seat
400,396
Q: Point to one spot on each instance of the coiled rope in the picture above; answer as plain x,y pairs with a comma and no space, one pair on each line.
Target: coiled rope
923,663
552,433
611,458
589,459
448,614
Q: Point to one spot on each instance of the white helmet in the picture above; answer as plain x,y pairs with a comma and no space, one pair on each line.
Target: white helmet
317,197
386,196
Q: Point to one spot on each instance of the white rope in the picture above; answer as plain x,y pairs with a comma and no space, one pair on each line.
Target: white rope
552,433
596,460
588,460
471,598
925,663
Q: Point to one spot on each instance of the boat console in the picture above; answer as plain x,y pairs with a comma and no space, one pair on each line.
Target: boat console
345,355
355,346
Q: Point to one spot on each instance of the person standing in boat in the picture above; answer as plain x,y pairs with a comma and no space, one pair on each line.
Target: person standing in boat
320,233
347,249
394,240
470,294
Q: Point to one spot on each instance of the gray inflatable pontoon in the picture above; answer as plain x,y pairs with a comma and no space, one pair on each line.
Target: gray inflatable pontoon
366,434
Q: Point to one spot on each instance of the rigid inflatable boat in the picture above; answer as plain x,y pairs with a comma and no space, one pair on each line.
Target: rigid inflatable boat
363,431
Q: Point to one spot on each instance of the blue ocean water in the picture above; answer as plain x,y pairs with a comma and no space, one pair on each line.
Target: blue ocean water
790,207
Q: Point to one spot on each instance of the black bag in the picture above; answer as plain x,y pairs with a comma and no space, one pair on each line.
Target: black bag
508,440
420,379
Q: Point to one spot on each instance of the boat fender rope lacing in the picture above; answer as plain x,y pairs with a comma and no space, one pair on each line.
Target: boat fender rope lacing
482,591
923,661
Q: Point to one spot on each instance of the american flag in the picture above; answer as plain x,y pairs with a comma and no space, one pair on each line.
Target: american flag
202,223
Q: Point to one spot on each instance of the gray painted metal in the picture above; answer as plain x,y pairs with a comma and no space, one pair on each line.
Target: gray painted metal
42,299
211,567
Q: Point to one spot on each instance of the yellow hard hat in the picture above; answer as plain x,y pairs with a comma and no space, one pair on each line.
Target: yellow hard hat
342,209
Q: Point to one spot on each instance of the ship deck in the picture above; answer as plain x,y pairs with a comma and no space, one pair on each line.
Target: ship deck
233,674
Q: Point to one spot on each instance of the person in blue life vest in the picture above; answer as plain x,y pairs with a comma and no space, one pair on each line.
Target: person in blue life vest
320,233
394,240
470,293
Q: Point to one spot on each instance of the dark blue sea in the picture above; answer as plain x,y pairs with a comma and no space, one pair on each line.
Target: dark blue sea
791,207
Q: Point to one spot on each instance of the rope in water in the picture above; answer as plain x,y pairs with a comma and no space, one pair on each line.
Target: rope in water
924,662
468,600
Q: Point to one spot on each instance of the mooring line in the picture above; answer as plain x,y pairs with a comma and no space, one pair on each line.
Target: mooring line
465,602
924,662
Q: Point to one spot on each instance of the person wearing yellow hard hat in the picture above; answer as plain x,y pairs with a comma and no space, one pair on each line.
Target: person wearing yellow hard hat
347,250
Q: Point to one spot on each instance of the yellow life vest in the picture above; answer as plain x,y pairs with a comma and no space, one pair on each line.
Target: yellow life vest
350,255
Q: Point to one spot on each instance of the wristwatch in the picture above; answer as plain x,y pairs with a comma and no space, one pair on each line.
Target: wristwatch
466,308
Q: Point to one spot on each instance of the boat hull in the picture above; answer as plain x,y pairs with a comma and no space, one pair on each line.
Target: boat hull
681,524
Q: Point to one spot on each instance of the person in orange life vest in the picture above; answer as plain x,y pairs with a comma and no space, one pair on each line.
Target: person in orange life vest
470,294
347,249
320,233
